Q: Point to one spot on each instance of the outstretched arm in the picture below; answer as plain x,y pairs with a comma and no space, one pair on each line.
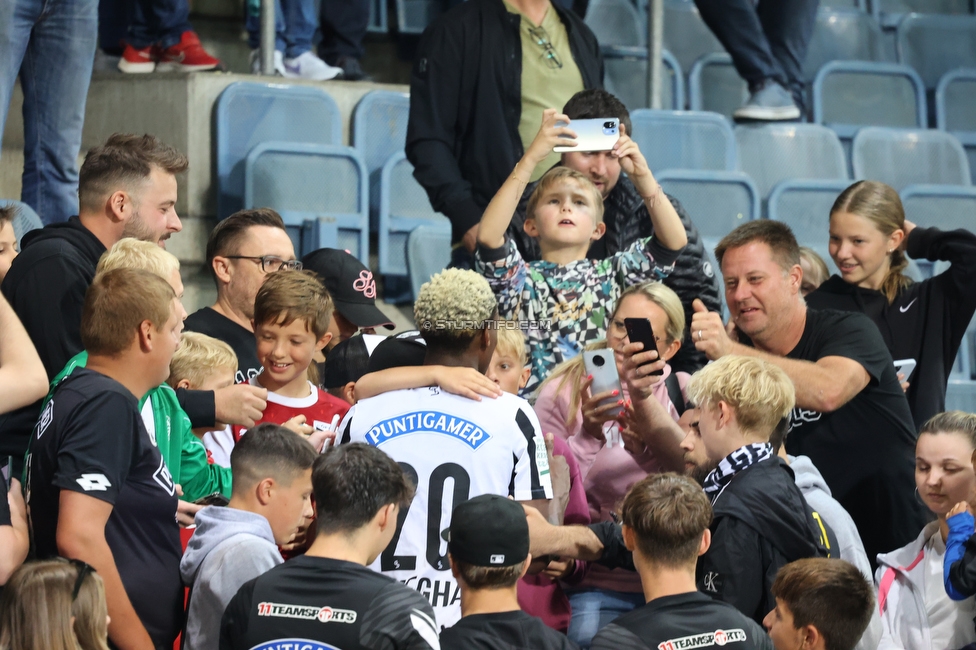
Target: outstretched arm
23,379
498,214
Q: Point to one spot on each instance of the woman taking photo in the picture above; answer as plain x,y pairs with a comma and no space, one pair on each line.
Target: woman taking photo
924,321
916,612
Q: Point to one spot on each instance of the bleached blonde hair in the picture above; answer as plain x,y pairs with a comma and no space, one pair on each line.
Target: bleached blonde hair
511,340
760,393
451,298
131,253
198,358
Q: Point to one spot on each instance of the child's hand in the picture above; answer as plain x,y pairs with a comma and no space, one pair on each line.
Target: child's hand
550,136
319,439
467,382
297,424
959,508
558,568
594,413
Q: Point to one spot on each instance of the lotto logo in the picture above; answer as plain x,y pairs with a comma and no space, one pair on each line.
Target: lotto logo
94,482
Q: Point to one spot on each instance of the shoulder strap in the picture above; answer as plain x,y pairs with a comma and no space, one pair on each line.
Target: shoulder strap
674,393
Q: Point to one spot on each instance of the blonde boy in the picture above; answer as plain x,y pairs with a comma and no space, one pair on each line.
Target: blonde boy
292,311
565,297
508,366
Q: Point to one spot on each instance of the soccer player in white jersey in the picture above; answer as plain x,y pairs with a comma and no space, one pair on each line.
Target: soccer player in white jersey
452,447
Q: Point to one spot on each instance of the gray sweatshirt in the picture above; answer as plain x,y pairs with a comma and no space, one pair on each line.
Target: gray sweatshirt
228,548
815,491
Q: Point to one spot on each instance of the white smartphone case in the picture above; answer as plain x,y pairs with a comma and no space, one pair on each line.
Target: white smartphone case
598,134
604,373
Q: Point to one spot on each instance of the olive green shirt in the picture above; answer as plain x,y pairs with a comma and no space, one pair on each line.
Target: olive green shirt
549,76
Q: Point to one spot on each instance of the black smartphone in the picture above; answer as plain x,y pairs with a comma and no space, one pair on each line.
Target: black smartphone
215,499
639,329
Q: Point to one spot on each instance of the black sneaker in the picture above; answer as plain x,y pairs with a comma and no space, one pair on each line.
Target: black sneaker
351,69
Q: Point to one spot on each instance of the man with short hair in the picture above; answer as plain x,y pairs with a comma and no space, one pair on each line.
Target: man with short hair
626,219
328,598
241,251
488,547
453,448
666,520
97,487
820,605
851,416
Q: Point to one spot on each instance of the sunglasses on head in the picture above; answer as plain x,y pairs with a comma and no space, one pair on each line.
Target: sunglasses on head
84,570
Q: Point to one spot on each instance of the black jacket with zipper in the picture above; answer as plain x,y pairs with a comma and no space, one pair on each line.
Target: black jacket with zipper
466,102
926,321
627,220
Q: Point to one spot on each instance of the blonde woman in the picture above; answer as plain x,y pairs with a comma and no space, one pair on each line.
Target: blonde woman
924,321
54,605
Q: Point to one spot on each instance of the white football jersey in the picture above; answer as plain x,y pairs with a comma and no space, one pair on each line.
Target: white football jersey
454,449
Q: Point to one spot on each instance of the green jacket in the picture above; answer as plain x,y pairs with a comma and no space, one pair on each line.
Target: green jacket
184,454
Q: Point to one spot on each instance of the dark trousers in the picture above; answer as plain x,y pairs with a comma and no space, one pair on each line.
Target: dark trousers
766,41
158,22
343,24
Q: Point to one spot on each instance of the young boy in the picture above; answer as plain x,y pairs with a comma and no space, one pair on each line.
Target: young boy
488,547
821,604
205,363
292,311
271,500
565,297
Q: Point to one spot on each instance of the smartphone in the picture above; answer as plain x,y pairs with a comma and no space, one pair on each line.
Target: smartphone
215,499
905,366
603,367
639,329
598,134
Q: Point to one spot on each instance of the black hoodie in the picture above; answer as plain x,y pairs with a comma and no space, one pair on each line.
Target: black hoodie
926,321
46,286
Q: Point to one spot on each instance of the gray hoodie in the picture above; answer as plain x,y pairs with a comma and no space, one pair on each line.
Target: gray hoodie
228,548
815,491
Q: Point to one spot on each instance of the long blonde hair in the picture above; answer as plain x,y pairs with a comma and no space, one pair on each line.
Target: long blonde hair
571,371
37,606
881,205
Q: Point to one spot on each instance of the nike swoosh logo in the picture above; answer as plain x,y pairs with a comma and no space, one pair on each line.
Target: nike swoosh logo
906,307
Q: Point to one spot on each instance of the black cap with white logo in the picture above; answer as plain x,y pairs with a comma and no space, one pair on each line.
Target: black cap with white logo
489,531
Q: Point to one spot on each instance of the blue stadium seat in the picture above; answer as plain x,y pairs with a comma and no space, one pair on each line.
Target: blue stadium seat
934,44
772,153
404,209
379,22
962,369
955,98
686,35
843,35
413,16
379,130
890,12
961,395
902,157
804,205
626,77
715,86
947,207
249,114
616,22
717,201
684,140
850,94
321,192
862,5
25,219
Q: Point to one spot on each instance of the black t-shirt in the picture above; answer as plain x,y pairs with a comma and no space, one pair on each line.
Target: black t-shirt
503,631
4,505
689,620
316,603
866,448
209,322
91,439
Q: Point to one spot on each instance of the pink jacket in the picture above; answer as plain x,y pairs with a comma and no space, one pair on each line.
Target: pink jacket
608,470
538,595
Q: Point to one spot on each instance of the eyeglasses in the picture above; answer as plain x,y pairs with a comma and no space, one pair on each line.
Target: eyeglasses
270,263
541,37
84,570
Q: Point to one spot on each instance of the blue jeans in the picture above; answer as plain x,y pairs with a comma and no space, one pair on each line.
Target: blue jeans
295,24
158,22
51,45
593,609
768,41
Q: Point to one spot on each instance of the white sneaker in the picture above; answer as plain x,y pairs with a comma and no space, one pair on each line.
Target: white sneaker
309,66
279,62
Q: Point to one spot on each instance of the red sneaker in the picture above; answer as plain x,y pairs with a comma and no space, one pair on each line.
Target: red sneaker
186,56
137,60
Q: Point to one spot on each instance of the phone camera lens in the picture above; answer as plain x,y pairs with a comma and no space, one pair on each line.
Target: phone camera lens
598,361
608,125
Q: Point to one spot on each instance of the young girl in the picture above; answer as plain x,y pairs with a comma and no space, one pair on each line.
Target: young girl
924,321
610,460
54,605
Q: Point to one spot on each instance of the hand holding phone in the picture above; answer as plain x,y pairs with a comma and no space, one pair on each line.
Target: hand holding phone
601,365
639,329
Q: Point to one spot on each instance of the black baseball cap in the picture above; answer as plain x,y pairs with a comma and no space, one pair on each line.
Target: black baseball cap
405,349
349,360
489,531
350,284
